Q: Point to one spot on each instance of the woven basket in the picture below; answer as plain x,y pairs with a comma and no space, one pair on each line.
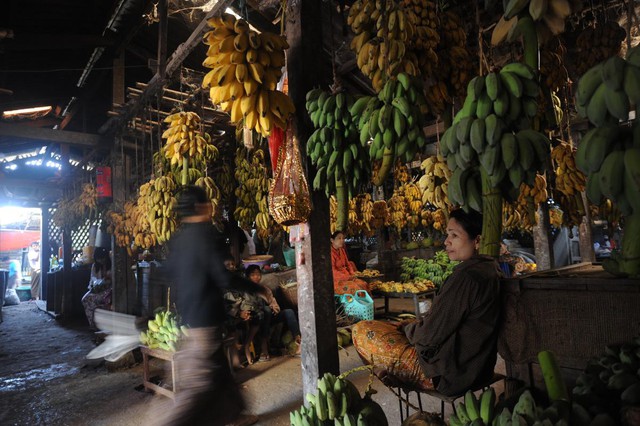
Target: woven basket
290,293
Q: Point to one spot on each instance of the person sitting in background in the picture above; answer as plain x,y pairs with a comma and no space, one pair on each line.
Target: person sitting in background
99,294
34,263
272,309
453,347
344,281
15,277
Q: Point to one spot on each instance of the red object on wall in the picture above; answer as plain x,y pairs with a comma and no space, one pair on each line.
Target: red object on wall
275,142
103,182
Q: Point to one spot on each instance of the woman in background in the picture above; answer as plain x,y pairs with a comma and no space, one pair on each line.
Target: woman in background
344,281
99,294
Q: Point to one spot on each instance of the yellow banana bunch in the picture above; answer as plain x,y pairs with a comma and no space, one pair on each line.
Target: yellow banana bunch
556,217
89,198
361,215
423,14
554,74
213,193
512,219
439,218
184,139
398,210
401,172
537,192
380,213
383,30
159,202
223,177
433,183
569,180
246,67
333,214
252,190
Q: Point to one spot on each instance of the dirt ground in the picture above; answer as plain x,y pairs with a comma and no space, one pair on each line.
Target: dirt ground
45,379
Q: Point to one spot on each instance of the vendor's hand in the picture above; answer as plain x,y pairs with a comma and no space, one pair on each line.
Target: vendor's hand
275,308
245,315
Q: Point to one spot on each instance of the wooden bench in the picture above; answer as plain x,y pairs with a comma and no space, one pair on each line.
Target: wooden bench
444,399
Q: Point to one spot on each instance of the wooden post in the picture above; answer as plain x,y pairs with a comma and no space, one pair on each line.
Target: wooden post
587,253
313,261
542,240
45,250
121,271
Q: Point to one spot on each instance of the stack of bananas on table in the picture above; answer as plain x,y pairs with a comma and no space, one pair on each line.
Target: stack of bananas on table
492,130
455,66
382,30
246,67
394,121
184,139
361,215
433,183
554,74
398,210
160,201
416,286
477,411
381,215
163,332
596,43
338,402
252,190
569,180
606,91
341,161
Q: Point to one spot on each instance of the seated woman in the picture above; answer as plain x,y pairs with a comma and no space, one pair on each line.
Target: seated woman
343,269
15,277
272,308
99,294
454,346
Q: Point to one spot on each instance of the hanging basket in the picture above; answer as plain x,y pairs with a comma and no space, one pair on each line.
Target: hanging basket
289,198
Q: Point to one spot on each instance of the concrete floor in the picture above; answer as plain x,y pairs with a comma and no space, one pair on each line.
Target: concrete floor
45,379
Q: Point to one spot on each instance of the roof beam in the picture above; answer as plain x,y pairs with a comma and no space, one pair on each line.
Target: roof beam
50,135
156,83
31,42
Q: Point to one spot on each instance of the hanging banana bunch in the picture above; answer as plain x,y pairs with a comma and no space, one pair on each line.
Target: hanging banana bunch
184,140
159,202
393,122
398,210
569,180
252,191
246,67
223,176
341,161
383,29
433,183
413,199
596,43
423,15
381,216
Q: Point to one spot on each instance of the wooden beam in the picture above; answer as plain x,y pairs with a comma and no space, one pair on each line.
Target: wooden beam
317,309
157,82
31,42
50,135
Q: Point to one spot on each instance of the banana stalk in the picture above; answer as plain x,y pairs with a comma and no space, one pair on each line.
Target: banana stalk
342,196
530,41
185,171
492,216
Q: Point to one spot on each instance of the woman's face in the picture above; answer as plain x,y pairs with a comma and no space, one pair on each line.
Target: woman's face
230,265
255,276
338,241
458,244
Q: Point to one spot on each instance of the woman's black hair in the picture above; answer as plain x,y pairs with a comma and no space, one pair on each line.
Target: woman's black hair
188,199
471,222
336,233
101,253
251,269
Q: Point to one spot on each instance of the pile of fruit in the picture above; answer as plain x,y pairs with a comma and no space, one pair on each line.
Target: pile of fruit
416,286
338,402
163,332
361,215
184,139
368,273
246,67
436,269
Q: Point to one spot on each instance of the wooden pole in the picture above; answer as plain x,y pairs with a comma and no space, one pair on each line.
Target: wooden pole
313,260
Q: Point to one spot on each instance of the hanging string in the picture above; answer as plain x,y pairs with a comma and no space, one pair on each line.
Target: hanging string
283,7
336,84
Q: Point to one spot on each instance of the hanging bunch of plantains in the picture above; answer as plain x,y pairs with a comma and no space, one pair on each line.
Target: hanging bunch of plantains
609,154
342,163
246,66
157,198
491,139
383,29
391,124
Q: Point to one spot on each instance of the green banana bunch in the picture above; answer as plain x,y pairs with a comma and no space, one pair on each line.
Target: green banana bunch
607,90
337,400
493,131
341,162
163,331
392,123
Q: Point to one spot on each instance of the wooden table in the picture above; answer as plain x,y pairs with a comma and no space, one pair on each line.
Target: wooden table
166,356
428,294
